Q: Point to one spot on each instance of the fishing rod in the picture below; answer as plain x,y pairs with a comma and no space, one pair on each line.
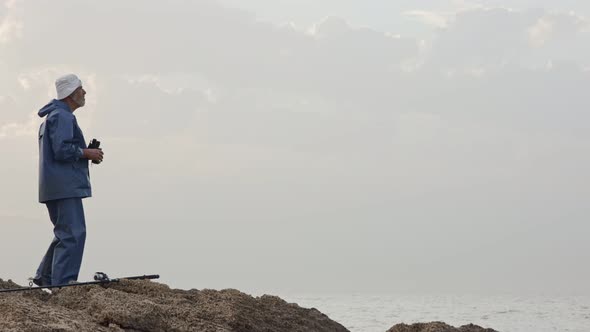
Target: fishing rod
100,278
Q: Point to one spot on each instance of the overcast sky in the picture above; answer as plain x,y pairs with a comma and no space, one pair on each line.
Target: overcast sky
311,146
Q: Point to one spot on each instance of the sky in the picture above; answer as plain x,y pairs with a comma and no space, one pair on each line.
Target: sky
311,146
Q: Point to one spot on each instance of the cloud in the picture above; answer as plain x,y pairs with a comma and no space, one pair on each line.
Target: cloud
561,36
248,59
249,63
176,84
558,27
497,37
427,17
146,106
10,3
9,112
330,26
16,129
540,32
10,29
11,23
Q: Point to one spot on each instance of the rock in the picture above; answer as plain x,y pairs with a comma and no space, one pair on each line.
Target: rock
135,305
146,306
437,327
7,284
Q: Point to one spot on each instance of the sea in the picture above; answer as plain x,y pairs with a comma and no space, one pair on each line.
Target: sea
378,313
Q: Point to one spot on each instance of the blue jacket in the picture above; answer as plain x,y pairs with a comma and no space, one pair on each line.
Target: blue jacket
63,173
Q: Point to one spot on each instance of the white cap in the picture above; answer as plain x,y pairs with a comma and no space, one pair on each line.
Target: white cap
66,85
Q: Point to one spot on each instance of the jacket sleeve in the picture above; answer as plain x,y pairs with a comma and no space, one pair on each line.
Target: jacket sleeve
63,143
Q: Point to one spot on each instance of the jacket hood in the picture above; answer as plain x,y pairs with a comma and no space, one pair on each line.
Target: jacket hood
52,106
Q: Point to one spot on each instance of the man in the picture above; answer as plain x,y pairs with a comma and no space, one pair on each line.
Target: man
64,181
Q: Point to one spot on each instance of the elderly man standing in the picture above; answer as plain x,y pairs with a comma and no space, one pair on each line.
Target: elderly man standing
64,181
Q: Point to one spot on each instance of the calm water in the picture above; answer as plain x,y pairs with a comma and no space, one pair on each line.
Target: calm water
365,313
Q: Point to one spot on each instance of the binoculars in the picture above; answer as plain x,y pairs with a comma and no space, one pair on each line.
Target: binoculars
94,144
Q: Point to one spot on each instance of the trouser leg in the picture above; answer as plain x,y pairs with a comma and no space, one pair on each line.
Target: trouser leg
70,230
43,275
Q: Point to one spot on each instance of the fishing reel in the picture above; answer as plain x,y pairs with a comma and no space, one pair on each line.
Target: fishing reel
101,276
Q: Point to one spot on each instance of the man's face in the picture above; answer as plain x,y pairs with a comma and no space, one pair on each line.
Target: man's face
78,96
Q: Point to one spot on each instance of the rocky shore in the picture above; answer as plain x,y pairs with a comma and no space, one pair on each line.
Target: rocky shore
437,327
134,306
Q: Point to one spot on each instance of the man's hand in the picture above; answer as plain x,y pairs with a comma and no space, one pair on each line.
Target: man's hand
94,154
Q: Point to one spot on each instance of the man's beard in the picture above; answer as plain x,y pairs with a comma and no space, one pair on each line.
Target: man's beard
80,100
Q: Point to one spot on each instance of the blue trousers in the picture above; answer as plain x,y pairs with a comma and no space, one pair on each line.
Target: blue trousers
61,263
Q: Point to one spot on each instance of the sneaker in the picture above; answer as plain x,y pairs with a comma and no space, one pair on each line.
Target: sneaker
38,282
